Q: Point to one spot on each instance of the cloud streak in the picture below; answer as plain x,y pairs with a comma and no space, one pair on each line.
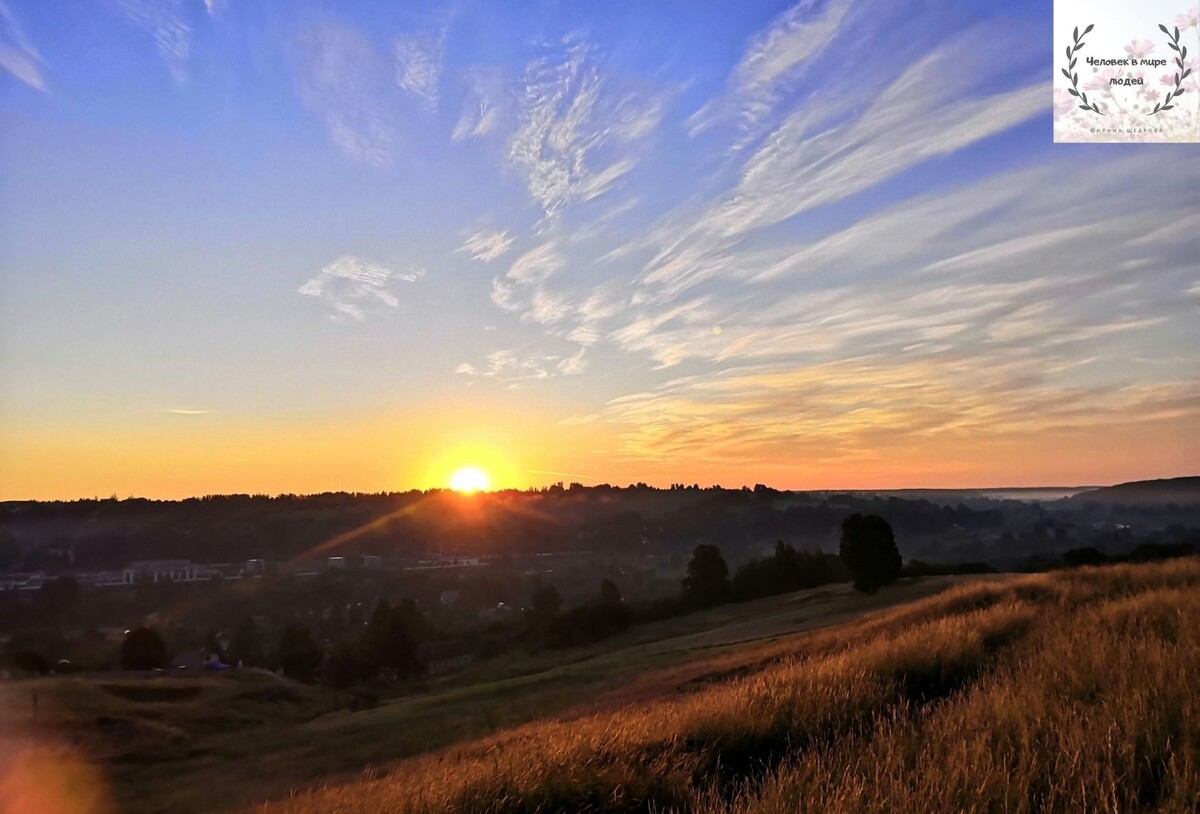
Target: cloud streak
485,104
567,114
419,66
352,287
799,168
342,79
516,369
163,21
487,245
811,297
773,57
17,54
986,328
966,316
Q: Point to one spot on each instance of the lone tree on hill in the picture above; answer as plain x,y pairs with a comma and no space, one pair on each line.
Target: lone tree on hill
143,649
869,550
707,582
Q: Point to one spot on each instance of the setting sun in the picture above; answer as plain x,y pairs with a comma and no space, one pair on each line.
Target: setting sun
470,479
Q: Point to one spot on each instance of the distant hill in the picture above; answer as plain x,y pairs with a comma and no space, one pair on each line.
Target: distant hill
1182,491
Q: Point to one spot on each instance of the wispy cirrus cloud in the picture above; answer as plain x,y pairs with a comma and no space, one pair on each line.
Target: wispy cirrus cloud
807,162
523,289
343,80
485,104
352,286
537,264
17,54
418,60
802,165
164,21
957,309
487,244
773,57
861,416
1013,316
514,368
185,411
576,133
567,112
869,282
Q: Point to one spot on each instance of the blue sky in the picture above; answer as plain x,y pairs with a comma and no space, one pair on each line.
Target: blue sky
821,243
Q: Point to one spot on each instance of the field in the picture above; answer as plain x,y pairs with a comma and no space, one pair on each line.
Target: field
1071,691
220,743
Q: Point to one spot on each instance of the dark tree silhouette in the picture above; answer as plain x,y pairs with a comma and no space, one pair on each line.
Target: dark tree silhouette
707,582
347,665
786,570
547,602
390,639
869,550
244,644
299,653
610,594
609,614
143,649
606,615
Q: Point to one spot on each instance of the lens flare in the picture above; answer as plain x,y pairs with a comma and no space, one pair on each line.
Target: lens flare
36,779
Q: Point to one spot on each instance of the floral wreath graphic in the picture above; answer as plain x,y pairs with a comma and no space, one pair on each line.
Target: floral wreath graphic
1181,75
1073,77
1077,45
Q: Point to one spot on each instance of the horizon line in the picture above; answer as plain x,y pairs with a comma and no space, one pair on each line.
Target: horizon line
634,485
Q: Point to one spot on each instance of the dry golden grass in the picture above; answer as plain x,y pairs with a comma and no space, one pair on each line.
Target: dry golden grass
1074,691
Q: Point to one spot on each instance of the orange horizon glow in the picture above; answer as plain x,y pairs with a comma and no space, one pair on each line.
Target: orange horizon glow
527,447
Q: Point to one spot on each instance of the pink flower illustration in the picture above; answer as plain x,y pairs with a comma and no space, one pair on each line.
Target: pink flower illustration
1137,50
1104,79
1167,79
1151,95
1189,18
1064,102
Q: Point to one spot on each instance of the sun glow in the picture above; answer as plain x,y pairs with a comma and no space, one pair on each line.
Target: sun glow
470,479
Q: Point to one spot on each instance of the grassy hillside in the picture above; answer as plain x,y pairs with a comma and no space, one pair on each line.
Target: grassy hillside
222,742
1072,691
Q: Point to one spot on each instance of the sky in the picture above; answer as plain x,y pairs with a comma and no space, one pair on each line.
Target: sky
265,246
